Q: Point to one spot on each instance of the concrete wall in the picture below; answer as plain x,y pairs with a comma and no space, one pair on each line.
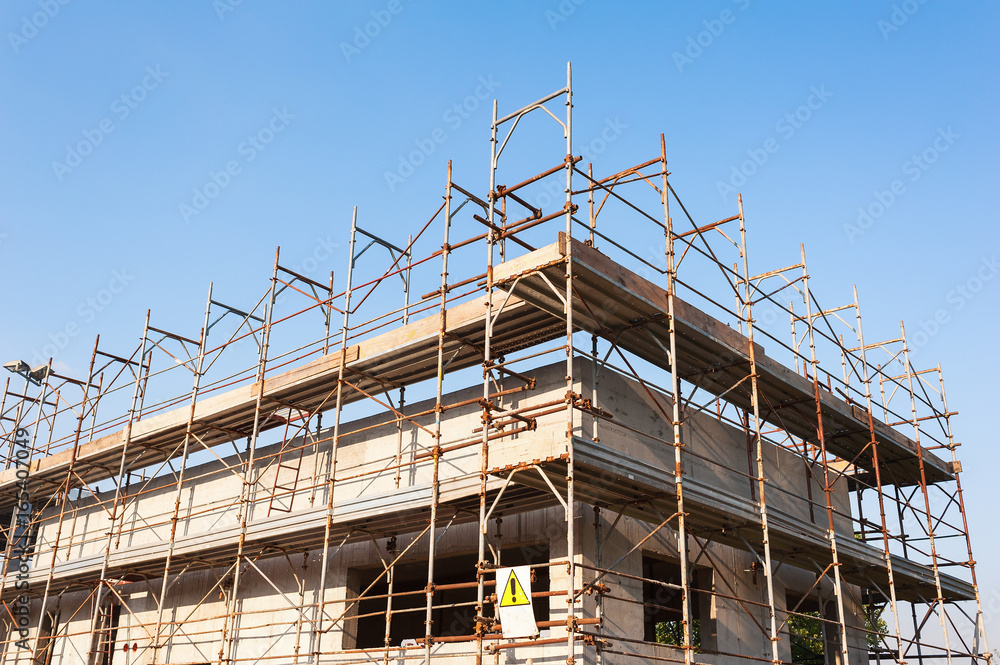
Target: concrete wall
715,452
269,624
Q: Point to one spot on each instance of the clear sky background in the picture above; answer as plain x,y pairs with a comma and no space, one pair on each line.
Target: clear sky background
162,95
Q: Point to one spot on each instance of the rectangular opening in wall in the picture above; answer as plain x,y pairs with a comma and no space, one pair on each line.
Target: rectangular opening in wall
454,609
46,639
814,641
5,520
106,633
662,597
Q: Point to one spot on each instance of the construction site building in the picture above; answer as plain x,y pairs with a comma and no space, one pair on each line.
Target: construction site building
583,390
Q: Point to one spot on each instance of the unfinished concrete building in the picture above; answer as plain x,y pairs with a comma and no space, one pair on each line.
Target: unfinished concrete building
336,474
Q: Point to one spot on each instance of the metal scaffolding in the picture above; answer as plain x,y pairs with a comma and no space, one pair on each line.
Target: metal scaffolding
85,564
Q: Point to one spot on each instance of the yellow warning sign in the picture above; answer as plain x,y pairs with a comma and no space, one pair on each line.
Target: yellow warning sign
514,605
513,593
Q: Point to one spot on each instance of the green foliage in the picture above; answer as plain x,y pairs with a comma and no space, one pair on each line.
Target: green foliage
672,633
806,635
874,621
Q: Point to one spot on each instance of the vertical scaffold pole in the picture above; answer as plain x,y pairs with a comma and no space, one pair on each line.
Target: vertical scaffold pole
755,400
185,452
438,415
570,452
133,413
64,489
939,601
247,489
980,624
675,389
318,630
866,379
487,354
838,589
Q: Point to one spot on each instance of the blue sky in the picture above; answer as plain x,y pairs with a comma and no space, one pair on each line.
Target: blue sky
888,177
